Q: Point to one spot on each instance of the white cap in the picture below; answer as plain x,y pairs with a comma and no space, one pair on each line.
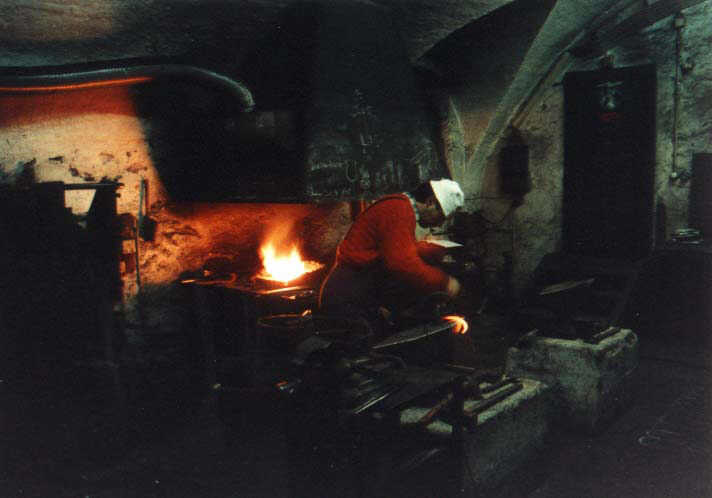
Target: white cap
449,195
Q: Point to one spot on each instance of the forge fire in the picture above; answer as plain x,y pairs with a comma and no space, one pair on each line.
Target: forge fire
284,266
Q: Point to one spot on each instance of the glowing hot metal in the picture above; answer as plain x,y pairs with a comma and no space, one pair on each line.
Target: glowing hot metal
460,326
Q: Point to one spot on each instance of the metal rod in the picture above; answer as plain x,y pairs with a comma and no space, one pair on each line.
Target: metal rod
676,89
139,220
495,398
91,186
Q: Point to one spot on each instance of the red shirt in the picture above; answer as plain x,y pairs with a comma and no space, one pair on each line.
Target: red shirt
385,233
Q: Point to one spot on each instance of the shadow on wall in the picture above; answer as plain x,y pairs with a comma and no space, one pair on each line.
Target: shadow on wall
206,149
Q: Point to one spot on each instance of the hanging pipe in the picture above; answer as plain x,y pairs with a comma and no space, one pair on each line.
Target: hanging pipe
123,72
679,23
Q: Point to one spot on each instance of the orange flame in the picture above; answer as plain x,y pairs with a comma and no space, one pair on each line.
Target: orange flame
284,267
461,326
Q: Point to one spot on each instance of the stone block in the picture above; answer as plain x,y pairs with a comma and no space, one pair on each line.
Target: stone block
590,381
503,438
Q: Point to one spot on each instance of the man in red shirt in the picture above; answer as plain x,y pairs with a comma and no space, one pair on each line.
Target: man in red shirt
380,265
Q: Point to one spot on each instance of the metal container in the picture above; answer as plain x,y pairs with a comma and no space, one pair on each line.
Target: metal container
284,331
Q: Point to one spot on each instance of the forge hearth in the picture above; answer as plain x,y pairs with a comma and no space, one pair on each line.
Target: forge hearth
224,311
253,285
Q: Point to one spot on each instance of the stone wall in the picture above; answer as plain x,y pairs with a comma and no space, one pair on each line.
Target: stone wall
93,135
536,223
152,137
96,134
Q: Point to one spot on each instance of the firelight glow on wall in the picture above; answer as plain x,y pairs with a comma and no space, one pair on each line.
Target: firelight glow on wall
87,122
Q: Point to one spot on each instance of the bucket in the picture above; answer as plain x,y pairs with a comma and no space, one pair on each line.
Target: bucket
284,331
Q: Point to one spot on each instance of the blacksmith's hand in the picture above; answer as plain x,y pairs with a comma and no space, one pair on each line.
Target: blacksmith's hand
453,287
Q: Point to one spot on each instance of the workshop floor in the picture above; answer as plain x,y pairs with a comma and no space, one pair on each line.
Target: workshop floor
661,446
60,437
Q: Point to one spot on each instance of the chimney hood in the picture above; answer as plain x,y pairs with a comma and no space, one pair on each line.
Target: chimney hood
327,108
360,125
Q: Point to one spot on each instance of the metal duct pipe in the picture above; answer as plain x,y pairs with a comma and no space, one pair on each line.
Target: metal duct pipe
114,73
678,24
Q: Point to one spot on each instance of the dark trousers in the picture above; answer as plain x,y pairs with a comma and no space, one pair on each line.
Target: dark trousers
359,293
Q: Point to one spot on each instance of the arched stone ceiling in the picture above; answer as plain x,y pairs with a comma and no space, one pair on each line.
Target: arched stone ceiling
40,32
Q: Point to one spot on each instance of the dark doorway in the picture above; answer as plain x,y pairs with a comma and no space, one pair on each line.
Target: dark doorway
701,194
609,164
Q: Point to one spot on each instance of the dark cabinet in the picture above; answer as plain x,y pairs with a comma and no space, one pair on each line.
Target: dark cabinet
609,164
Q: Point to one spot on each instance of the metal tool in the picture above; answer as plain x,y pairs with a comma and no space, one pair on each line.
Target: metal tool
596,338
439,406
498,385
467,387
374,399
413,334
527,340
406,394
495,398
